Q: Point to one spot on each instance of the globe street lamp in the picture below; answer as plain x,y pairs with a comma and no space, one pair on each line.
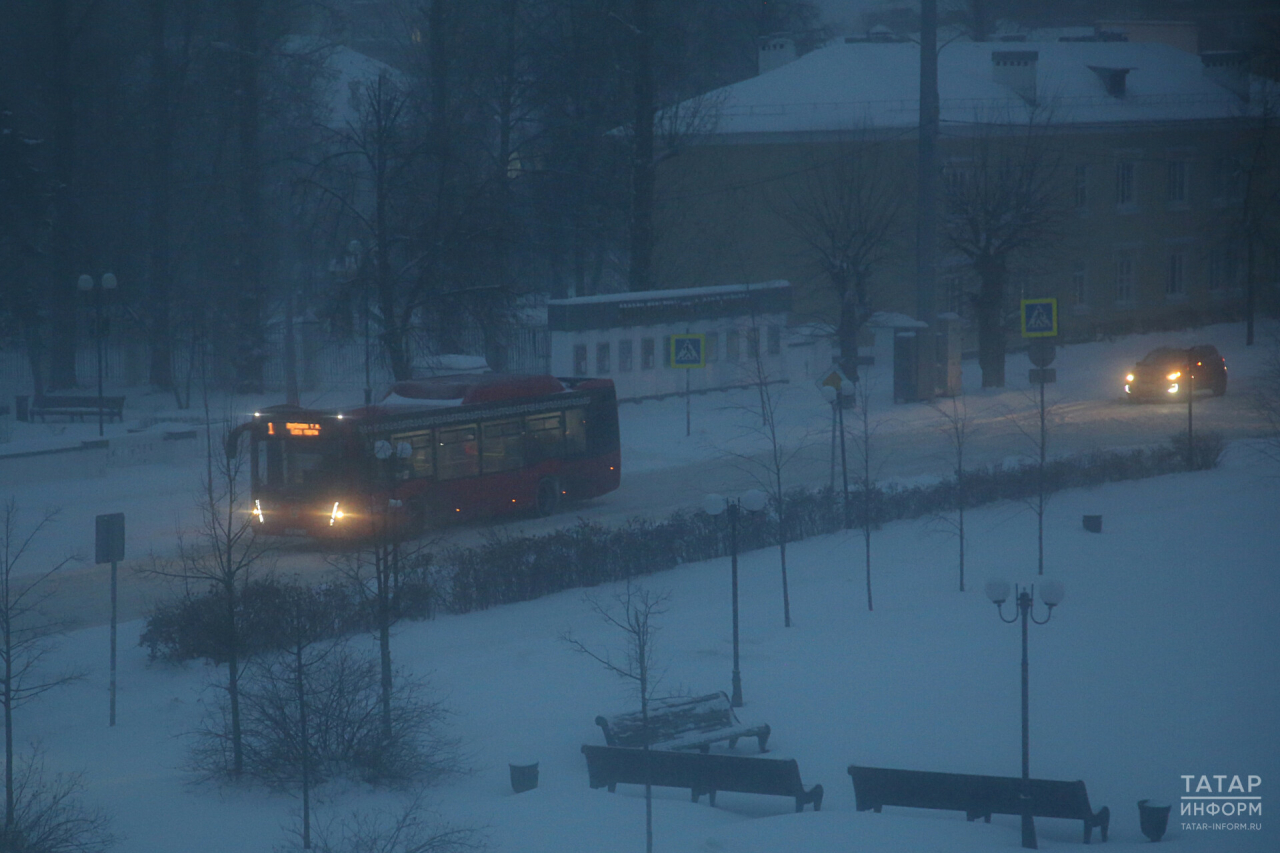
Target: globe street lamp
86,283
1051,593
835,396
752,500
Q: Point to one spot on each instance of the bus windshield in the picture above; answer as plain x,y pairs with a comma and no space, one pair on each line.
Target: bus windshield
291,465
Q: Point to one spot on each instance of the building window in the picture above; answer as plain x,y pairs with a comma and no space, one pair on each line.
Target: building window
624,356
753,343
775,340
1079,286
602,359
1124,184
1124,276
646,353
1175,286
1081,187
579,359
713,346
731,345
1177,182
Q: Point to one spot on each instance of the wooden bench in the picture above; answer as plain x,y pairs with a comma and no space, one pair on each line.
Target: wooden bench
41,407
682,722
701,773
976,796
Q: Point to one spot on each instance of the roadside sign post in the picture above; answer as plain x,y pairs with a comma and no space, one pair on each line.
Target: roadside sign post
109,548
688,352
1040,324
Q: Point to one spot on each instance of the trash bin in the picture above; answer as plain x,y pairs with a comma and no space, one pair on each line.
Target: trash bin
1153,818
21,407
1093,523
524,777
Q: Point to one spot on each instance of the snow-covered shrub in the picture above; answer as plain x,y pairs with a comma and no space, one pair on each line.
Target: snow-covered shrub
344,735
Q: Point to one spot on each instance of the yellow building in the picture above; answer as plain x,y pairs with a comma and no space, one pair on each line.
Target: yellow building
1151,150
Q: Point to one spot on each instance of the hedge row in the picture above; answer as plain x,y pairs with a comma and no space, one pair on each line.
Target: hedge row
507,568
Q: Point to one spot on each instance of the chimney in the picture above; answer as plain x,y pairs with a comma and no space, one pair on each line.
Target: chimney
775,52
1016,69
1229,69
1112,78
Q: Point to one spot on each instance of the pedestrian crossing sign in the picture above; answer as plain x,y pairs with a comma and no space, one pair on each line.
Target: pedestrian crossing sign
1039,318
688,351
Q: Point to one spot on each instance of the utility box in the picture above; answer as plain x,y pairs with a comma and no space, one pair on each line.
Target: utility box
906,373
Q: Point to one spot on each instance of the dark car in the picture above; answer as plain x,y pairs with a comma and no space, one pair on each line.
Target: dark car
1167,373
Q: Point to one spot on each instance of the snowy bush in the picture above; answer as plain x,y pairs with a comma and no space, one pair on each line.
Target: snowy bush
48,815
343,732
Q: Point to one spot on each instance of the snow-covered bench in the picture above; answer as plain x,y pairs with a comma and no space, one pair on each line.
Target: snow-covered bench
112,408
701,774
976,796
682,722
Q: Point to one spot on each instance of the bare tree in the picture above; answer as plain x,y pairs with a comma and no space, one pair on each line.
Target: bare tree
1258,219
410,829
956,427
634,612
863,442
49,815
1003,201
369,174
27,636
767,468
223,553
845,209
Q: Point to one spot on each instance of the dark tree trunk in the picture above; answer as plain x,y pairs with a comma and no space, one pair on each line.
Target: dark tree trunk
233,680
642,168
250,333
990,311
62,293
160,177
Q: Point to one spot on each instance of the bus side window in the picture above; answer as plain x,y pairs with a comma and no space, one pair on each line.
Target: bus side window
543,438
575,432
459,453
419,464
500,444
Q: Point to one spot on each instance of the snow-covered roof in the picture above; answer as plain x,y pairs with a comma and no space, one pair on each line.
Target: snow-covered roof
659,307
345,73
664,295
876,86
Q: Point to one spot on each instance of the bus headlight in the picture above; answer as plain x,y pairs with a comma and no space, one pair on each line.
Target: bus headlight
257,512
337,514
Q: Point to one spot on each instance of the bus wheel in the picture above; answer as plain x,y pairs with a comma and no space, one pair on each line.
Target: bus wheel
548,496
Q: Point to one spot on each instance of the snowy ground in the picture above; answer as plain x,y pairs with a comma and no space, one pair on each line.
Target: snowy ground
1160,662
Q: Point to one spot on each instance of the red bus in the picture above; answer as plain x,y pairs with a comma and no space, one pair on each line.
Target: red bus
450,447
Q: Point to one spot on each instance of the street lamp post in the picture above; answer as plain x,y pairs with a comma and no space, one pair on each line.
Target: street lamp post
835,396
87,283
1051,593
752,500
